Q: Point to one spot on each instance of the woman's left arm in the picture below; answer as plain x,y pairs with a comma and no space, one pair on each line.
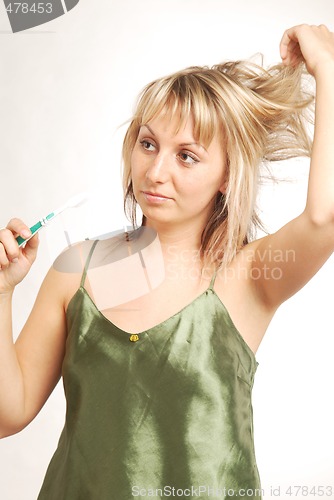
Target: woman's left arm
307,241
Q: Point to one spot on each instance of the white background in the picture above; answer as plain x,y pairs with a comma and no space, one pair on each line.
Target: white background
65,88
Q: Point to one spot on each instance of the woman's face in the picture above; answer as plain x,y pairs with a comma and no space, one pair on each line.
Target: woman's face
175,179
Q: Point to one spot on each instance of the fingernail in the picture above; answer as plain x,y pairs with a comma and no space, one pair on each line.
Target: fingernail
15,260
26,233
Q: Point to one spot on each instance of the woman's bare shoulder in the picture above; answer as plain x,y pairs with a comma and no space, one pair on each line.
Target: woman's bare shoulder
69,266
72,259
67,269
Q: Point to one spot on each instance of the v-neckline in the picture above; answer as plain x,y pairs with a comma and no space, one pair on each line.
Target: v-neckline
142,333
147,330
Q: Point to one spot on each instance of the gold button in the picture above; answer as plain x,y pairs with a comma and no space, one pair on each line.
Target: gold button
134,337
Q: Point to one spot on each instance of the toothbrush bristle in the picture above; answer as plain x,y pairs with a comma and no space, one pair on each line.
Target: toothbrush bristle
78,200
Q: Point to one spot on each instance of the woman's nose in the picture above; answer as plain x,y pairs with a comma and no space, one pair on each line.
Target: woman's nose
159,169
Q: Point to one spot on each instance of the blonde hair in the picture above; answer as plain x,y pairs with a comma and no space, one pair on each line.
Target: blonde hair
260,116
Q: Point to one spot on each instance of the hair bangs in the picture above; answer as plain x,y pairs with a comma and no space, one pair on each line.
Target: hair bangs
182,97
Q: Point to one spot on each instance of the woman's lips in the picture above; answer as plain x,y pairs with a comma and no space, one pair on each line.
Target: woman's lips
155,197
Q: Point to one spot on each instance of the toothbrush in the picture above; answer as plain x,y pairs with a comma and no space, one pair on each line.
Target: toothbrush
71,203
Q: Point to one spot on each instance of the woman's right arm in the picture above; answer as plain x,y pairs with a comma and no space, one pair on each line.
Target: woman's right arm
30,368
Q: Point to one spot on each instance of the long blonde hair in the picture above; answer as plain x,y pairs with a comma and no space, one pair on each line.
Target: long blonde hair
261,116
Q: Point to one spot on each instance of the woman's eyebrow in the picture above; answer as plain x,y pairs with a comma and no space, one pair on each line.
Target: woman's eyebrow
147,126
193,143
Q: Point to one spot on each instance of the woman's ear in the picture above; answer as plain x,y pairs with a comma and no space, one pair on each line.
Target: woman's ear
226,174
223,187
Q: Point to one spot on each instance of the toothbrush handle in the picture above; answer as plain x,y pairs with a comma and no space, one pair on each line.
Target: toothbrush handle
34,229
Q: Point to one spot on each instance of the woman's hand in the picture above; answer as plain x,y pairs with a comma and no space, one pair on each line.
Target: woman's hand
15,262
313,45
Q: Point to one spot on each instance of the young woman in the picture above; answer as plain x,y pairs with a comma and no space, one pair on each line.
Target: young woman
158,386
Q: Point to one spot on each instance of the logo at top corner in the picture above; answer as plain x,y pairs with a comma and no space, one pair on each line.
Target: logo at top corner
28,14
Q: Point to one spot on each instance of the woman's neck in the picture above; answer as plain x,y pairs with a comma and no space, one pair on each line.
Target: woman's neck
177,238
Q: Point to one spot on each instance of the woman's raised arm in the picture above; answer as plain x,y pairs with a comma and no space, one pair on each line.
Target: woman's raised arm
310,237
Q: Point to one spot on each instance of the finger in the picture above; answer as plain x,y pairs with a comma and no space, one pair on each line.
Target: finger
19,228
30,249
290,41
295,55
288,38
4,261
9,246
324,28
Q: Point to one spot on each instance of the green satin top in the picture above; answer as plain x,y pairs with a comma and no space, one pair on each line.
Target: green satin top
167,408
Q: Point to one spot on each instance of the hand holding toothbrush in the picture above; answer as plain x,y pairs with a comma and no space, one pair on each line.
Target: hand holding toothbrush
15,262
18,246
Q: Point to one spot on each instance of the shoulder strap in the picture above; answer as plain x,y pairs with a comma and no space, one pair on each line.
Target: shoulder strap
212,282
84,274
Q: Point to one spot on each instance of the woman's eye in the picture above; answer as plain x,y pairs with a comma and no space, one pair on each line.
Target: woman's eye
147,145
188,158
